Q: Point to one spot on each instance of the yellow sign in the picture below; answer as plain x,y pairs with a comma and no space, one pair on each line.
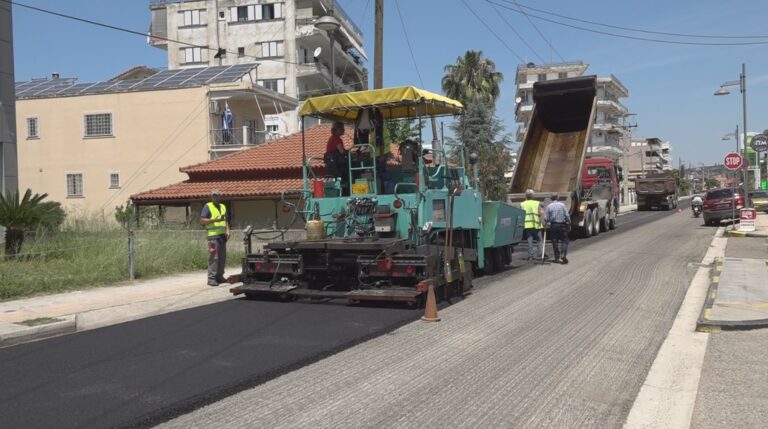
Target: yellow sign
360,188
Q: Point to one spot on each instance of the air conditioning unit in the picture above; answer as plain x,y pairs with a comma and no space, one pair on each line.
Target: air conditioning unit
214,107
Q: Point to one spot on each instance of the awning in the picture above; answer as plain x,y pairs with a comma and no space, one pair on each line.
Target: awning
394,103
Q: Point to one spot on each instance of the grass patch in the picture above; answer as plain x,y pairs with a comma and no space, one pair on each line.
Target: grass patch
84,255
40,321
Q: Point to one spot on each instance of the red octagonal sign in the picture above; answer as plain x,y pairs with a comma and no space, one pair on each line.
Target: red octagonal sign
733,161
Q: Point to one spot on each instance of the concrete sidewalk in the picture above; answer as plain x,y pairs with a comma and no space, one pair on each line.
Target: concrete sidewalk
738,294
40,317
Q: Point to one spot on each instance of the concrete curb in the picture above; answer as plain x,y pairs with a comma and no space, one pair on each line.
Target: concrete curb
12,334
748,234
710,326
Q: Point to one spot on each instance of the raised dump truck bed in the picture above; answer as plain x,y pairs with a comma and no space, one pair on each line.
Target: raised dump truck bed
553,156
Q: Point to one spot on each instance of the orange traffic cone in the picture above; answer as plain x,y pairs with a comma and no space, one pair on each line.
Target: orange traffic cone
430,309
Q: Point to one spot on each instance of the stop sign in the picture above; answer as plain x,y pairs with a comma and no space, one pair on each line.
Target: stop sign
733,161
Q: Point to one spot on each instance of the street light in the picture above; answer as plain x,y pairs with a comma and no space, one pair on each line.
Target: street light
742,84
330,24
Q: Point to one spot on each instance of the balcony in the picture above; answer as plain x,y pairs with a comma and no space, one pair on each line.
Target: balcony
612,106
224,142
309,69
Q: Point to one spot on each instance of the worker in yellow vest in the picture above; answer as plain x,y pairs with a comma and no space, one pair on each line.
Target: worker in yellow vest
533,227
214,217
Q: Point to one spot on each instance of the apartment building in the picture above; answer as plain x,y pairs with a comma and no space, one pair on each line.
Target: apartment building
91,145
294,57
8,163
609,135
651,155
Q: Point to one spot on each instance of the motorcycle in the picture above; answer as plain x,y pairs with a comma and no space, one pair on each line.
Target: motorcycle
696,210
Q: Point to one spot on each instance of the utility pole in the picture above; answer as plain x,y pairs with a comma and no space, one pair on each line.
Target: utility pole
378,53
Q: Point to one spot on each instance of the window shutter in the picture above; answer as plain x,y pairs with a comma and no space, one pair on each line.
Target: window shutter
233,14
258,13
260,83
279,52
251,13
264,49
188,55
278,10
187,18
281,86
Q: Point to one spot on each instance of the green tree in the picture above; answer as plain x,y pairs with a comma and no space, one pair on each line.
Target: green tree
683,184
480,131
22,214
398,131
472,78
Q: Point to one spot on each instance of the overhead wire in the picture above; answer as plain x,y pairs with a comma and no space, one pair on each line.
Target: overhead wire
408,41
639,30
488,27
522,39
535,27
624,36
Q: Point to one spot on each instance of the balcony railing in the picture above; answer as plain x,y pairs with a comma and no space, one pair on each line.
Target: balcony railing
238,138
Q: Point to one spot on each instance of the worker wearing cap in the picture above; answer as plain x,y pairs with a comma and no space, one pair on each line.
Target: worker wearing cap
559,222
533,227
214,217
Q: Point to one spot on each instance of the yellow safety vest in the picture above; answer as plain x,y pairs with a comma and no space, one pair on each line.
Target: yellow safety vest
531,208
219,227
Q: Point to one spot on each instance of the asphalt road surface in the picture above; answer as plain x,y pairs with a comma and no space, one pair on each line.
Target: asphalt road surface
603,316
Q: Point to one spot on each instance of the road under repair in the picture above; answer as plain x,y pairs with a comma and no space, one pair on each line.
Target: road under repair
553,345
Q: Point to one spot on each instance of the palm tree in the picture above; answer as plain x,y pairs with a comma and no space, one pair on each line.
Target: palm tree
472,78
30,212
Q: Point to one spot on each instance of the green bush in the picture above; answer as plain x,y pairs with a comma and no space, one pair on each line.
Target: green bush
89,252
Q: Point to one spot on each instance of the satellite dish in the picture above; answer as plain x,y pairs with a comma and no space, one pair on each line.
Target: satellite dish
518,100
317,51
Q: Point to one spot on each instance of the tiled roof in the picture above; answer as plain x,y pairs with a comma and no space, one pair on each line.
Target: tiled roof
283,153
230,189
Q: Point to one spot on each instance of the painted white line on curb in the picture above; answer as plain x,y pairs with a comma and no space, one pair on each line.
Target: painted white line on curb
668,395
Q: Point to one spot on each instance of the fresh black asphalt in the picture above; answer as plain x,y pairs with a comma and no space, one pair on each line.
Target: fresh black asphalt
147,371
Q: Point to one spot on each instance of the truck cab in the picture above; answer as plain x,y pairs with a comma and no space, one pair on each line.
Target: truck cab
602,172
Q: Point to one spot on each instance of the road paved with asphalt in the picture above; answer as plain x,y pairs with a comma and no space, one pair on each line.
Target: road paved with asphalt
537,344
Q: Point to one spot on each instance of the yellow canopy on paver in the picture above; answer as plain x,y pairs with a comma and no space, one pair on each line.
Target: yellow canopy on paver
393,103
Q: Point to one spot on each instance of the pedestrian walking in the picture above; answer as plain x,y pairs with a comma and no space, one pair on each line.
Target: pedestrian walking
559,221
214,217
533,227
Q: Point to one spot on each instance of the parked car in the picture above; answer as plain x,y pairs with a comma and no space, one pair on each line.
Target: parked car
719,204
759,200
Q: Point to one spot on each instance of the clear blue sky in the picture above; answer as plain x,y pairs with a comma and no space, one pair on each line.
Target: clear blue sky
671,86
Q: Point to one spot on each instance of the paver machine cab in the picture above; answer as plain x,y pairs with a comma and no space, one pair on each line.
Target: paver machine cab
384,226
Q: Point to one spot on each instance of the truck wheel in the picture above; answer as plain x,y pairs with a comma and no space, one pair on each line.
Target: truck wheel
604,223
596,222
612,223
490,262
586,230
498,258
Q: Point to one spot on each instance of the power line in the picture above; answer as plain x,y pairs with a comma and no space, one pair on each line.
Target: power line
624,36
639,30
503,42
535,27
408,41
517,34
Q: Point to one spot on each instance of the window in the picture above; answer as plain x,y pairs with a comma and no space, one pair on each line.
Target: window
542,77
190,18
272,11
32,131
75,185
192,55
242,13
240,52
114,180
273,128
98,125
277,85
562,75
271,49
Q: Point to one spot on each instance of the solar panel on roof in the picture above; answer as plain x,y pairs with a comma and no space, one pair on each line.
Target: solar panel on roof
74,89
36,86
179,78
96,88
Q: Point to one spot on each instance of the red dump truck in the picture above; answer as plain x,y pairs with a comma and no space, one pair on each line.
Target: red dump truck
656,190
553,156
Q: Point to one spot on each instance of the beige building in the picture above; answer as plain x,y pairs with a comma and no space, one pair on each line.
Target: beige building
295,57
91,145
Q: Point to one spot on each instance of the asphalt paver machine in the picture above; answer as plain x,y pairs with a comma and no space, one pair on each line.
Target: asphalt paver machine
384,225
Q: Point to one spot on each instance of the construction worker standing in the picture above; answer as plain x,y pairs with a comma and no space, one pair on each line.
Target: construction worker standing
559,225
533,215
214,217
